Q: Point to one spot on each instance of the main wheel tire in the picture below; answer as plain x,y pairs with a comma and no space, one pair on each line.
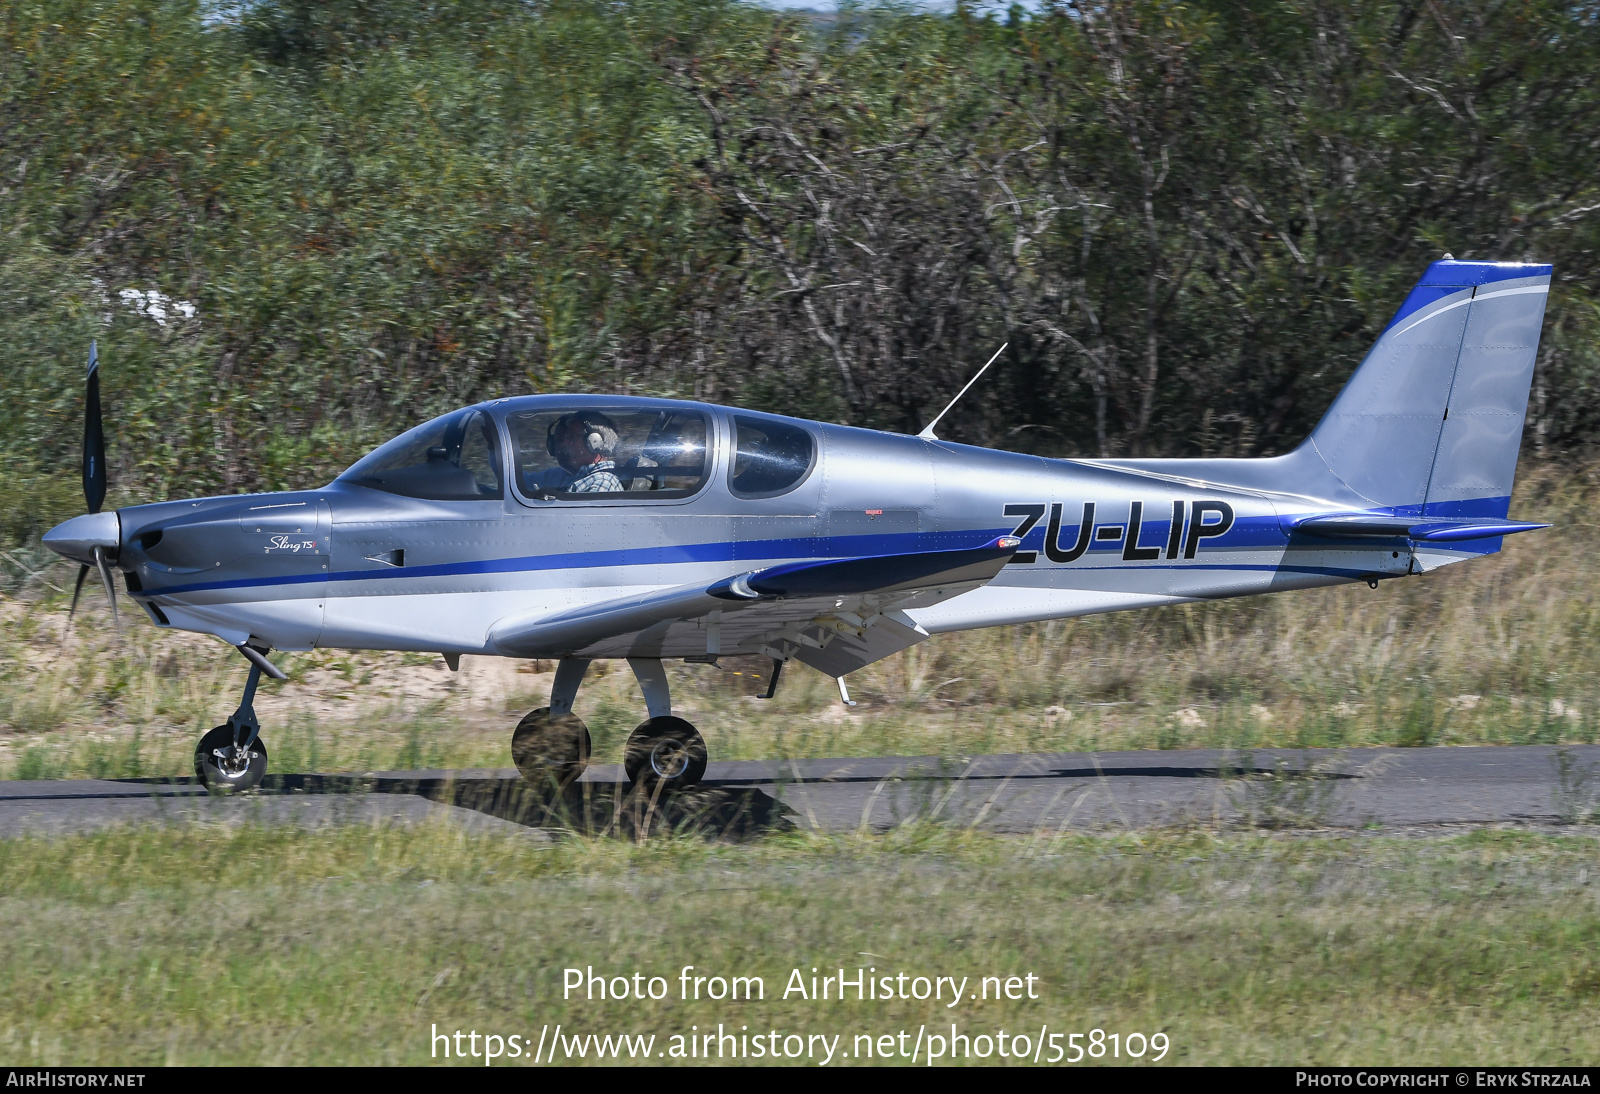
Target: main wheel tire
221,769
550,748
666,752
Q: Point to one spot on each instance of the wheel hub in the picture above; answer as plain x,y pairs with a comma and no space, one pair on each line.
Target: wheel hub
221,764
232,762
669,759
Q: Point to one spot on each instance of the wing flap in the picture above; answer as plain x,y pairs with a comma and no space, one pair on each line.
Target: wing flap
893,632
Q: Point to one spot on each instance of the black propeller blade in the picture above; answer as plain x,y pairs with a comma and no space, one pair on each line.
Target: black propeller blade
105,579
94,483
94,437
77,590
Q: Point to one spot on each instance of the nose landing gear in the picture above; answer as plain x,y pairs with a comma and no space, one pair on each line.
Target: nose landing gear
232,756
224,764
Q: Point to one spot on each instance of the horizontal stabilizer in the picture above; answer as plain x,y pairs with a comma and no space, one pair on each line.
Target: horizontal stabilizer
1429,530
753,610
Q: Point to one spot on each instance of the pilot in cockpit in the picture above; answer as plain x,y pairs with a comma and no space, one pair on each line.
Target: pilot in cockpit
584,443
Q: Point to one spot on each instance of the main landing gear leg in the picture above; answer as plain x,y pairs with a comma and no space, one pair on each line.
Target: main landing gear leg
232,756
551,745
665,751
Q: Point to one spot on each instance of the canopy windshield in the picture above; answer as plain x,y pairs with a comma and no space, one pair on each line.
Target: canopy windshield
453,458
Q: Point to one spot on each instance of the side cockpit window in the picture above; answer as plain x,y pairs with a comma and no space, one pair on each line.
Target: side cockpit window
583,453
453,458
770,457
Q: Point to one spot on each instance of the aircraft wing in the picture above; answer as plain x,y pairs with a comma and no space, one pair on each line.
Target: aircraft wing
835,615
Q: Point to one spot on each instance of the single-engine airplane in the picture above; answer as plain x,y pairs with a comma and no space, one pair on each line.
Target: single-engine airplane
575,527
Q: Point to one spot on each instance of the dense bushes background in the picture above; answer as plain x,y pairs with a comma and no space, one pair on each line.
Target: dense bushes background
1189,220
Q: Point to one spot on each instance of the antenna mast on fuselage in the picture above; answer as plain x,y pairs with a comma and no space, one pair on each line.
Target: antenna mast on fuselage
927,430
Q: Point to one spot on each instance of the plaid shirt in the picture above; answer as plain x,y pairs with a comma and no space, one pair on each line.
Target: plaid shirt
598,478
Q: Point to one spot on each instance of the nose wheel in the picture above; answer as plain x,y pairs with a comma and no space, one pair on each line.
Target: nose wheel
225,764
667,752
232,756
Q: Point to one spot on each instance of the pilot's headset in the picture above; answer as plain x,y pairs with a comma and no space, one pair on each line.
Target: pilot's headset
599,436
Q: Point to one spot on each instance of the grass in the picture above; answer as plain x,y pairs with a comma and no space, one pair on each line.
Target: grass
1503,650
218,944
248,945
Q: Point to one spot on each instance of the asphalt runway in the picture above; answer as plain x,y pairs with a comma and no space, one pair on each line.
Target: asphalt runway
1346,788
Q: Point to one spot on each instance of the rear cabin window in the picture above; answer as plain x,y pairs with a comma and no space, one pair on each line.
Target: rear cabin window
644,452
769,457
453,458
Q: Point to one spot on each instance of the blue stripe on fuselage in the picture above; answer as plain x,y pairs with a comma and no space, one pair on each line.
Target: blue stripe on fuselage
748,551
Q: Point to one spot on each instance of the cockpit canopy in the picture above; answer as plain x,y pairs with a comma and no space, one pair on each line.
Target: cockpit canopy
770,456
453,458
636,449
564,450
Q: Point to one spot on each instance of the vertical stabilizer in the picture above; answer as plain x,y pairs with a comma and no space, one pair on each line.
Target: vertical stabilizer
1432,419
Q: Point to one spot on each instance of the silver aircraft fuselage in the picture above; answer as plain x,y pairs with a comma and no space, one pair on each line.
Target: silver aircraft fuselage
348,566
